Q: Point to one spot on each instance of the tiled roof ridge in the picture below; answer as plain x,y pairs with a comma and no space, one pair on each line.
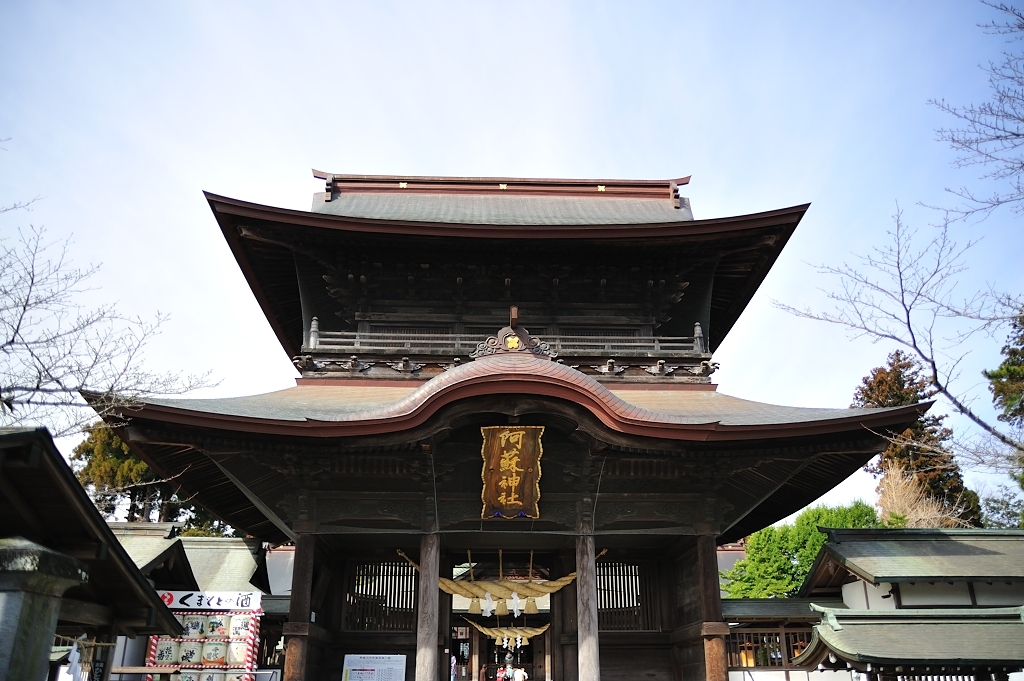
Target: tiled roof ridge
839,535
662,188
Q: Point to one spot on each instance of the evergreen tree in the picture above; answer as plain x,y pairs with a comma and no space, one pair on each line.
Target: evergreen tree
1003,509
114,477
921,448
1007,381
779,558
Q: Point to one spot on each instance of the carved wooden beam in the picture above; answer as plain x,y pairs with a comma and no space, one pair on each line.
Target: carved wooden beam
82,612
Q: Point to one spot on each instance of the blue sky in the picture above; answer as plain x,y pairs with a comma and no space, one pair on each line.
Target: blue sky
120,114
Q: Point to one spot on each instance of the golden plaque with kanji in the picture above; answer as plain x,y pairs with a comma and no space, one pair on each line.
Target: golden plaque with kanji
511,472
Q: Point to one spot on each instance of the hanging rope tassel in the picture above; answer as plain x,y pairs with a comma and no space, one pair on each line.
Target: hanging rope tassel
501,608
474,603
531,606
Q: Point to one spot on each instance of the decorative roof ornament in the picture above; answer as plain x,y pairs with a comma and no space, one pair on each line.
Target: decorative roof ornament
610,368
660,369
405,366
513,339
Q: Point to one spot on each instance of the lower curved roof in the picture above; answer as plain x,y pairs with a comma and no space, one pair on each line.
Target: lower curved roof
361,409
818,447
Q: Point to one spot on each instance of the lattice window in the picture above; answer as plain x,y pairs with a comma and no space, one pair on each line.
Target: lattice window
627,597
381,597
764,647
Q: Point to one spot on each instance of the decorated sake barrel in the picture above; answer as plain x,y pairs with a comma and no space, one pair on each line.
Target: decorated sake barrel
214,652
190,652
166,652
237,651
189,675
194,626
212,676
217,626
240,625
235,675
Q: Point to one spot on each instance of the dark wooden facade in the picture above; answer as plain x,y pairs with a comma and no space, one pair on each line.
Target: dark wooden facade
646,468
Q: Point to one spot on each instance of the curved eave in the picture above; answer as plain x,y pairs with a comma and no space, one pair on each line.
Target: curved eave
528,377
767,232
224,206
884,648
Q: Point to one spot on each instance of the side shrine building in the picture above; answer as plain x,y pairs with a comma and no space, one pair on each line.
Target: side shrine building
504,450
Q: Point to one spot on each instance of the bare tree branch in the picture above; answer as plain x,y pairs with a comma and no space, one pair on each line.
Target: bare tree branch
53,350
905,293
991,134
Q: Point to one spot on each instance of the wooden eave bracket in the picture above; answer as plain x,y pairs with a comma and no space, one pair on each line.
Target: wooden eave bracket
699,630
307,629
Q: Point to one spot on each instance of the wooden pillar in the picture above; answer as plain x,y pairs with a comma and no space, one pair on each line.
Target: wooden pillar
297,645
103,656
427,620
555,630
566,668
716,663
588,652
444,620
475,657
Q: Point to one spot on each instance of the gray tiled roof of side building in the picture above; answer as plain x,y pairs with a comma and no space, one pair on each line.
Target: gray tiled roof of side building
948,555
222,563
218,563
962,636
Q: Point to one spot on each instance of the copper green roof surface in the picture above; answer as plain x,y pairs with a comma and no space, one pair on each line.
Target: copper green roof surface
979,636
470,209
922,555
341,403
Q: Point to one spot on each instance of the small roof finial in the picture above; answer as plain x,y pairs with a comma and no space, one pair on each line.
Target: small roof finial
513,316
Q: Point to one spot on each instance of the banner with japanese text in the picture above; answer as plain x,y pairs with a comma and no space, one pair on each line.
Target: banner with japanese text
511,471
211,600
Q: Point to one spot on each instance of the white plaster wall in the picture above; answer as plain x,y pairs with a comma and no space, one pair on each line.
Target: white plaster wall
280,562
861,595
999,593
130,652
915,595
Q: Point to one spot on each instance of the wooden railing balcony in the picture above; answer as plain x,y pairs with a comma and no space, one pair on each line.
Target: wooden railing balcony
352,342
768,648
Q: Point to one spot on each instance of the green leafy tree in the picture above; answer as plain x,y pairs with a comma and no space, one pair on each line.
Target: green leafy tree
922,448
1004,509
1007,380
115,477
779,558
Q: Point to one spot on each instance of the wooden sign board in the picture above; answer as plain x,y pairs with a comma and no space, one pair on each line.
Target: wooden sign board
511,471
